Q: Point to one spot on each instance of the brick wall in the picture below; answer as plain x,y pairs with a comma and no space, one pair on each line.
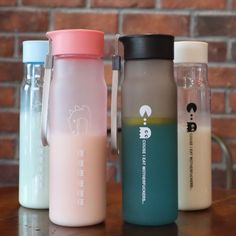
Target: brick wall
213,21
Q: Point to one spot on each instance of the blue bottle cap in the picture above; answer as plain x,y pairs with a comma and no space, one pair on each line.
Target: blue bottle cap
35,51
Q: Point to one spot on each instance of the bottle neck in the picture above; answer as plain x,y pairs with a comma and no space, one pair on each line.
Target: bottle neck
33,73
149,69
191,75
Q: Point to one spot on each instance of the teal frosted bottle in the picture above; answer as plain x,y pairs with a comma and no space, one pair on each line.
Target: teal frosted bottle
149,131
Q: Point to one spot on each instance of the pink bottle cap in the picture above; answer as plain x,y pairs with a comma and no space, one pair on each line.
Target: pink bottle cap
77,41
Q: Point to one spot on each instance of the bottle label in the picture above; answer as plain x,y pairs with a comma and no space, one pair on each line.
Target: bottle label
191,128
149,159
145,133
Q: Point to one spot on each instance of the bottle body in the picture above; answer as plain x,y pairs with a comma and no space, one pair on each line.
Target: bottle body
77,140
194,136
33,161
149,142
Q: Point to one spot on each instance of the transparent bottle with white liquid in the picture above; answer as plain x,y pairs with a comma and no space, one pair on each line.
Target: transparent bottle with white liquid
194,125
33,161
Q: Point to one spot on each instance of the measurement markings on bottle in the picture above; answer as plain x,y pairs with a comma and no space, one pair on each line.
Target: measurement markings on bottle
80,193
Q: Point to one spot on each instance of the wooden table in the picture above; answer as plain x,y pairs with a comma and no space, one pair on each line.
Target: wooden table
220,219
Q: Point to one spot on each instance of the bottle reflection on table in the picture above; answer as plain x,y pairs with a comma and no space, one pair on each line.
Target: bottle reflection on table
33,222
137,230
96,230
37,223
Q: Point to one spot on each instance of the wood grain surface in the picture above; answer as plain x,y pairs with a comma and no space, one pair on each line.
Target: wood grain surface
220,219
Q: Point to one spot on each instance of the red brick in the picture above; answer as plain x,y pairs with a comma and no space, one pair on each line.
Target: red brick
118,100
217,102
7,148
23,21
54,3
232,148
8,2
107,22
233,51
7,96
11,71
124,3
30,37
217,51
215,25
156,23
109,48
201,4
224,127
6,46
216,153
9,174
222,76
234,4
9,122
108,74
232,100
218,179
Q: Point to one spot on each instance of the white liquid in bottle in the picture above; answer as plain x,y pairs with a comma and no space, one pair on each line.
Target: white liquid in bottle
194,125
33,158
34,189
77,174
194,168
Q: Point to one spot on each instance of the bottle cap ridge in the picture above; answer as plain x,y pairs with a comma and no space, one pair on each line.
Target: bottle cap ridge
77,41
191,52
34,51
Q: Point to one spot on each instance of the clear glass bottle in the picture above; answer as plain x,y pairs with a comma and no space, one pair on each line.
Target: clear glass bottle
33,161
194,125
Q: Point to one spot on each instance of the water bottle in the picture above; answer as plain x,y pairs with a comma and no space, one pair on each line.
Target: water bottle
194,125
149,130
75,103
33,160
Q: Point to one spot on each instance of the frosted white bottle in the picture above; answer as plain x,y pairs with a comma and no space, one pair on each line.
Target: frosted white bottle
33,161
194,126
76,106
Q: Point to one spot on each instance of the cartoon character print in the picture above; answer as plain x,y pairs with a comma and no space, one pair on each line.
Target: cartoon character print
144,133
79,119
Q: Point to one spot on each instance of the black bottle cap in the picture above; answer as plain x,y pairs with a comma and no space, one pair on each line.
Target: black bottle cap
148,46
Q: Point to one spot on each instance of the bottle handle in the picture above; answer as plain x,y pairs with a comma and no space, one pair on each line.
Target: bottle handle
45,100
116,66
